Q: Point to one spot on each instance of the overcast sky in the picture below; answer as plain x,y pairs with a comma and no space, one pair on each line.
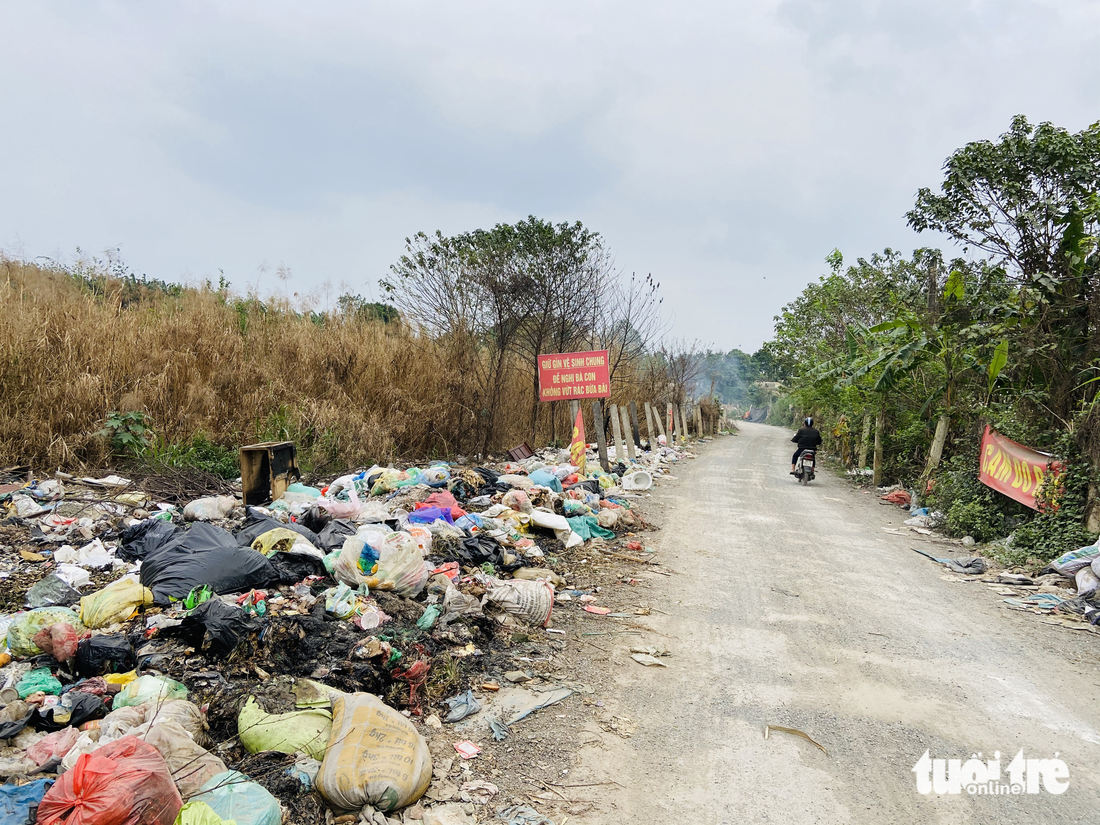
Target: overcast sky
725,147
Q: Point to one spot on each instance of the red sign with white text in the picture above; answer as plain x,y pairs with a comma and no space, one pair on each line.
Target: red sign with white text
1013,469
572,375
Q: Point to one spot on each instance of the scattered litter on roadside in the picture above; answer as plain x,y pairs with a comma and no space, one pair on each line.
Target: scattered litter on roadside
969,565
647,660
794,732
467,749
263,651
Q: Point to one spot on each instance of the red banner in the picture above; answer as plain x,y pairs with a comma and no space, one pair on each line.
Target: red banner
572,375
1011,468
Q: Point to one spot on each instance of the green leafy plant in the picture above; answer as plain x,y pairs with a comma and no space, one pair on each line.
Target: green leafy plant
126,432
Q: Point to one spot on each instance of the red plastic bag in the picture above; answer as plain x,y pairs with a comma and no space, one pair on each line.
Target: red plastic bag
899,497
126,782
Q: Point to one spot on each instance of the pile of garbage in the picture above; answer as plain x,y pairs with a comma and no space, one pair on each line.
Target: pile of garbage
219,663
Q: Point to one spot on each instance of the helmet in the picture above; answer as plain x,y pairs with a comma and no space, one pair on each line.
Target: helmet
809,422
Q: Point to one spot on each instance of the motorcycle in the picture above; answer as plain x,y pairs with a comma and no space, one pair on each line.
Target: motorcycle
804,468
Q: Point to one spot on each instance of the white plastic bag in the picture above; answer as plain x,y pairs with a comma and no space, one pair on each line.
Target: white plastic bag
401,568
210,508
346,568
1087,582
343,509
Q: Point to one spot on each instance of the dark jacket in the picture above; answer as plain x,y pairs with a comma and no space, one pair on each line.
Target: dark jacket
807,438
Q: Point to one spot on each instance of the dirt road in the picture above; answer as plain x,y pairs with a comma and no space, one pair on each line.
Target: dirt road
793,606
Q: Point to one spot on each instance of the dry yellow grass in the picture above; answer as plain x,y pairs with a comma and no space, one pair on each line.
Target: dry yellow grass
348,391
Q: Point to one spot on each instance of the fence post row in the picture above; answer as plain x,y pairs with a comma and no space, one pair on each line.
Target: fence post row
634,425
601,437
626,433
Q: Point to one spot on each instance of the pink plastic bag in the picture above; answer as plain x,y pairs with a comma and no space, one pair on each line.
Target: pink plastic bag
53,746
59,640
343,509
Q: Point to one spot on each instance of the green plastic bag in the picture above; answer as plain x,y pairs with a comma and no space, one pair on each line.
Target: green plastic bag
589,527
25,626
198,595
302,731
431,613
39,679
149,689
199,813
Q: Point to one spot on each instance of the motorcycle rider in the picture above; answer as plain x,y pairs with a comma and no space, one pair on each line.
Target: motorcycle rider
807,438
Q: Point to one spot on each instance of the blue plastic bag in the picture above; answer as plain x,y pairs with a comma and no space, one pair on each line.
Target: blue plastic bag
232,795
19,803
545,479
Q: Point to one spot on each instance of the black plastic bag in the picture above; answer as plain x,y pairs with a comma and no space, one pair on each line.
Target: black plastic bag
333,535
217,623
490,476
257,524
590,485
204,554
476,550
85,707
292,568
100,655
51,591
9,730
138,540
315,518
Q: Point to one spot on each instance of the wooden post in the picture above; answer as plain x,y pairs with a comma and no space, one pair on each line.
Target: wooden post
659,420
698,420
936,453
634,425
865,441
880,427
672,426
683,423
616,430
574,408
650,428
601,436
633,456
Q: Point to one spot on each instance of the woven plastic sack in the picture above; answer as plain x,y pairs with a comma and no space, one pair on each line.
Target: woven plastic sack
233,796
117,602
1069,563
531,601
303,731
186,714
123,783
375,757
25,626
190,765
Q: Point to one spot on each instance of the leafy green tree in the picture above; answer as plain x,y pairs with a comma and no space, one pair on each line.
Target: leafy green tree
1029,202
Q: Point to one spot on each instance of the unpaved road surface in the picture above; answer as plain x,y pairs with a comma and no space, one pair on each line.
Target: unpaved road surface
793,606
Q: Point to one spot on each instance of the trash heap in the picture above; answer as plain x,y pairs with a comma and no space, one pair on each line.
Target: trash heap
215,663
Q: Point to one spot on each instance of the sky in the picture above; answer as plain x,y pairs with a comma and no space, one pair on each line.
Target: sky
724,147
